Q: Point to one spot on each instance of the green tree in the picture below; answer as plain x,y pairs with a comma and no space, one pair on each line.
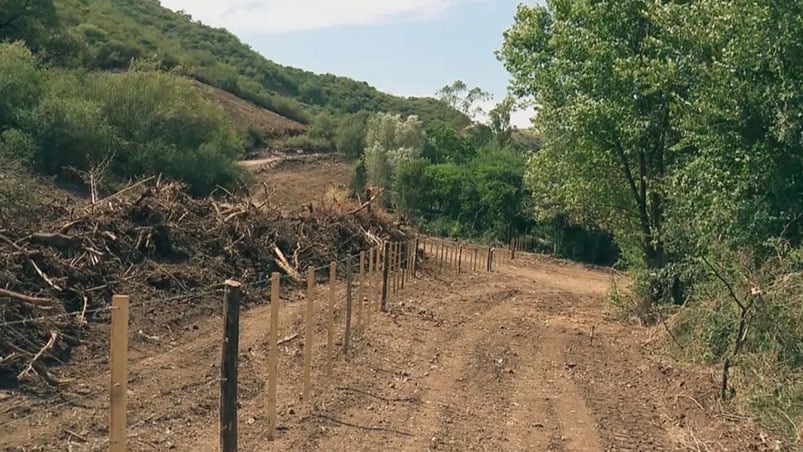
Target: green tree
350,137
461,98
499,117
20,84
607,109
28,20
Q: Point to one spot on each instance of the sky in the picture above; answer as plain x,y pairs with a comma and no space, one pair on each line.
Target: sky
405,47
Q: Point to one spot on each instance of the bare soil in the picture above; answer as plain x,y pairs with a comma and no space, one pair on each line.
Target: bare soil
476,361
295,183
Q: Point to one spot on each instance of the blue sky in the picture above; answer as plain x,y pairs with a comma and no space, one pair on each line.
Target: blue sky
406,47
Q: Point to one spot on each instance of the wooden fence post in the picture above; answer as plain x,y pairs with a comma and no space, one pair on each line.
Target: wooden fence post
361,291
330,318
474,264
440,265
385,270
347,338
369,290
273,354
392,260
402,266
460,260
396,248
308,322
488,260
119,368
228,368
415,258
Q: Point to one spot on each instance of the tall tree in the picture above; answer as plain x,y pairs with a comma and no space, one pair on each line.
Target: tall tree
460,97
605,95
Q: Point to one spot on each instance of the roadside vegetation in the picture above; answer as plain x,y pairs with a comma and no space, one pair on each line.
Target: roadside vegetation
676,128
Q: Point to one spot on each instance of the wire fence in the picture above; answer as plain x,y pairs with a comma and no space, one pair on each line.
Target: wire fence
374,278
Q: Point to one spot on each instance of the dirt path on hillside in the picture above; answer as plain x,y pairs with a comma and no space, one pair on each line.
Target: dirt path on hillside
500,361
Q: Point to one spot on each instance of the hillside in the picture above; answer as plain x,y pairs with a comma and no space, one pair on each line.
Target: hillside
115,32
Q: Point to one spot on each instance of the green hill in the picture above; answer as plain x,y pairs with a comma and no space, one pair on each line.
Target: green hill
113,32
122,85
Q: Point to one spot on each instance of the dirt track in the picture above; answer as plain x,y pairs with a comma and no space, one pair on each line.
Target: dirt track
500,361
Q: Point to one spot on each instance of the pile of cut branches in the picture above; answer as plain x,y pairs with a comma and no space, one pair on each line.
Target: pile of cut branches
150,239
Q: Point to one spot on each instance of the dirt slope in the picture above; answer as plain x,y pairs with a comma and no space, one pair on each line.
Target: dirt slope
500,361
245,115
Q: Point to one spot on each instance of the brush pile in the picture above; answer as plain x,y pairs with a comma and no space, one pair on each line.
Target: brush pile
149,240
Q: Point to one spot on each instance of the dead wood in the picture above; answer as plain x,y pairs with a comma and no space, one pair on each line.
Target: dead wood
35,301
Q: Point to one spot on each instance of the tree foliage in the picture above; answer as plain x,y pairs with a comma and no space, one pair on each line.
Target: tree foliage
676,126
143,123
460,97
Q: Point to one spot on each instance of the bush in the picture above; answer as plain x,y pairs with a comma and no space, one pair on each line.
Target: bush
305,143
165,125
766,372
142,122
19,84
17,146
350,137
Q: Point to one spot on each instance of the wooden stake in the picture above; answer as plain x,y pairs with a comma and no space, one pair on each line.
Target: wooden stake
399,270
385,271
460,261
370,289
308,322
415,258
347,339
475,259
273,354
228,368
395,265
440,265
119,368
330,318
361,291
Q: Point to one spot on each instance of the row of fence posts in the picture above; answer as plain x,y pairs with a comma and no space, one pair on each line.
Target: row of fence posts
521,243
394,262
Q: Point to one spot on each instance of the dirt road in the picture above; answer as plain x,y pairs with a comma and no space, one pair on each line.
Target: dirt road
502,361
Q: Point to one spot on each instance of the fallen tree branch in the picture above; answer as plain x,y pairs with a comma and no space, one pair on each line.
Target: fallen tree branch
54,335
384,399
362,427
10,242
282,262
44,276
366,203
36,301
127,189
56,240
287,339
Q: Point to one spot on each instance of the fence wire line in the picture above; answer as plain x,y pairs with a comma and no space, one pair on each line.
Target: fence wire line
71,401
197,293
206,291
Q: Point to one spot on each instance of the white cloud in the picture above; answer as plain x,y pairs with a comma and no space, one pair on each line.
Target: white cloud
280,16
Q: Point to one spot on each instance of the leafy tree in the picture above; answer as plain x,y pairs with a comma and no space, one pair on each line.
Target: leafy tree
27,20
460,97
350,136
391,140
607,108
20,84
444,144
499,118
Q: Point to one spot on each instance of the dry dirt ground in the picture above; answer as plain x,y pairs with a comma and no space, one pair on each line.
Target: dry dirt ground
293,182
476,361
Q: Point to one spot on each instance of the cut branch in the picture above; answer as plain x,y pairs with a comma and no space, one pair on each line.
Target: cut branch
282,262
44,303
54,335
